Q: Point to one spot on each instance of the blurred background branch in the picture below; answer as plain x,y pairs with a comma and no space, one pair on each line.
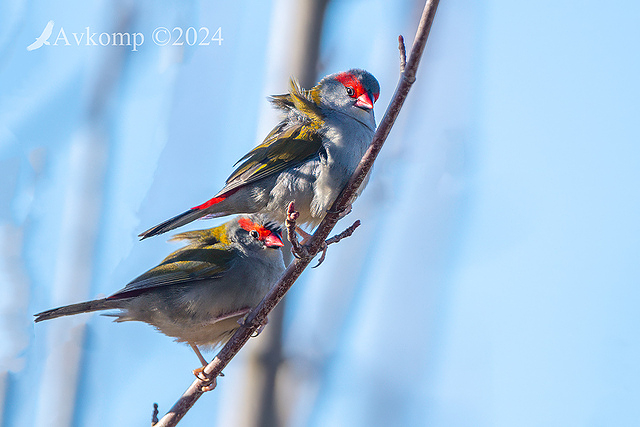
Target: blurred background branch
262,400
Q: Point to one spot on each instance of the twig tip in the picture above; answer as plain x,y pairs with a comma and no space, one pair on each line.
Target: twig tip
154,415
403,53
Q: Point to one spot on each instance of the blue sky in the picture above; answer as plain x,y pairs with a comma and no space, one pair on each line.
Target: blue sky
494,281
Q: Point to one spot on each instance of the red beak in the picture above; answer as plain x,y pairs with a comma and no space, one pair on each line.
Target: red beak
365,101
273,241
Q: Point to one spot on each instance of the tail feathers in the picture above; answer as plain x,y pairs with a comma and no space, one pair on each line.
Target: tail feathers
83,307
175,222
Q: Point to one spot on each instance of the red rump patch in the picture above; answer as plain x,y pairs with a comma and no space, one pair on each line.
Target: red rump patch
210,202
248,225
349,80
215,200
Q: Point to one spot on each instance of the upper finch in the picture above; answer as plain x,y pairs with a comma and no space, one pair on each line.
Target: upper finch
307,158
198,293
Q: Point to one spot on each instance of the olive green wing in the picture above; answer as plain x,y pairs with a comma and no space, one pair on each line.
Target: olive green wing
286,146
187,265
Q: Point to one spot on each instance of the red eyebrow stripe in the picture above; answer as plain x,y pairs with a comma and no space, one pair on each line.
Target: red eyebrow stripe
348,80
248,225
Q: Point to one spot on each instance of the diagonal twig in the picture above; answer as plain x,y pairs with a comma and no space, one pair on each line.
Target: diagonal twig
259,314
335,239
346,233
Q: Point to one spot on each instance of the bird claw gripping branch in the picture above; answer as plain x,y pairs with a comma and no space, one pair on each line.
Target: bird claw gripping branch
301,250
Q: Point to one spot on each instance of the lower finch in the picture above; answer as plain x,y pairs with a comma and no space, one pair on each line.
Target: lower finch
199,293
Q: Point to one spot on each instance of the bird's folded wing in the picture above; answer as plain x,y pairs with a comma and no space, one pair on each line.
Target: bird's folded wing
284,150
289,144
186,265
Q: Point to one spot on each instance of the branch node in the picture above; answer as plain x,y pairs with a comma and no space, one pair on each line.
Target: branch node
409,79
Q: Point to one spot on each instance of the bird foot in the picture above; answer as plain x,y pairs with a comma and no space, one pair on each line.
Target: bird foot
342,212
243,322
325,246
209,387
199,373
346,211
210,383
305,239
260,328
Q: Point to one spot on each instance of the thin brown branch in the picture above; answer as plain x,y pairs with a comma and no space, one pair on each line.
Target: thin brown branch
346,233
403,53
258,315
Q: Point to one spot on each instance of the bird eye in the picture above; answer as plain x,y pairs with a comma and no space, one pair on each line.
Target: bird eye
350,91
254,234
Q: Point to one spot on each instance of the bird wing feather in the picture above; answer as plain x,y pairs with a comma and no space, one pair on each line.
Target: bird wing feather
185,265
289,144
